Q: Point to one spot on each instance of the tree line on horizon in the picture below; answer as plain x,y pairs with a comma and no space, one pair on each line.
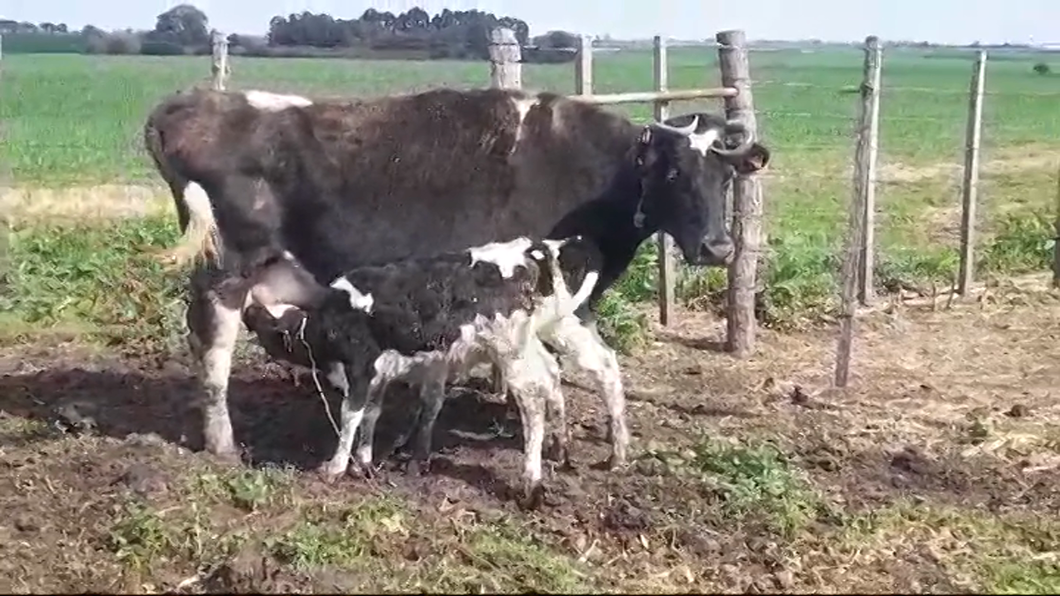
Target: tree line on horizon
413,34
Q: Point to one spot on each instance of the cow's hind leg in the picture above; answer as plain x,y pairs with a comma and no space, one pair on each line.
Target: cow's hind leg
583,347
213,319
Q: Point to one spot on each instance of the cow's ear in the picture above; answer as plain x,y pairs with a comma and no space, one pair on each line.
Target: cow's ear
756,158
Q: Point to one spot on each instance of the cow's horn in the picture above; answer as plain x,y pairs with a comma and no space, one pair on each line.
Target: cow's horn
683,130
734,127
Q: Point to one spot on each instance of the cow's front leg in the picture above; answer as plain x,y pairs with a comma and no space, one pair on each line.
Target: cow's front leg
213,319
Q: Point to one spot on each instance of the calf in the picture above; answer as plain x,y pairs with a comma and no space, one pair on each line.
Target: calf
425,320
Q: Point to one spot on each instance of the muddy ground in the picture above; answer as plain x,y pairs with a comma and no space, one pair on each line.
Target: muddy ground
937,470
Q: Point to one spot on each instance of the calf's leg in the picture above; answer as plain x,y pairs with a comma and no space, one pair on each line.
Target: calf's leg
582,347
213,319
556,414
531,382
354,405
432,396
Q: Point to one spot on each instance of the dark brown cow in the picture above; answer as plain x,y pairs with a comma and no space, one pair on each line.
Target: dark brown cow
340,184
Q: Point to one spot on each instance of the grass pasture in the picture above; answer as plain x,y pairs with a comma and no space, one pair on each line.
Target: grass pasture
937,471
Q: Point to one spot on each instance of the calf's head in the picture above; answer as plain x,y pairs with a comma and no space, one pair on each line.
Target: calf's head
685,167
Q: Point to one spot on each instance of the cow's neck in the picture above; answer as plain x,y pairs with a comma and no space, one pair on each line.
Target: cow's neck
608,221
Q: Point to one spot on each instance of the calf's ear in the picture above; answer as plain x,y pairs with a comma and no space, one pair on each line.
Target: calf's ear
756,158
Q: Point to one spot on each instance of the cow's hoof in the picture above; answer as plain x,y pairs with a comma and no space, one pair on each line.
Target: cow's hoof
223,450
331,473
533,496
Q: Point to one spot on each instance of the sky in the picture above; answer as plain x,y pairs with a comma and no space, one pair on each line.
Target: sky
939,21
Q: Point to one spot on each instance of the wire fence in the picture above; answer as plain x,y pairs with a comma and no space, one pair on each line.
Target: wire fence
807,109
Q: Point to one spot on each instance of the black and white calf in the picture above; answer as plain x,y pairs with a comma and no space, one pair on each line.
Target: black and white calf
429,320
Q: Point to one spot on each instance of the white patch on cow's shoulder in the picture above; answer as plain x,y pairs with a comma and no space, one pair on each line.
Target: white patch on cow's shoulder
702,141
358,300
523,105
505,255
274,102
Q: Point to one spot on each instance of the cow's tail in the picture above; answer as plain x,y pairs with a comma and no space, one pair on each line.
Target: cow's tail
199,236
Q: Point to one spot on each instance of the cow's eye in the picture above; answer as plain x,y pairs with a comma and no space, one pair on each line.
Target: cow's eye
671,175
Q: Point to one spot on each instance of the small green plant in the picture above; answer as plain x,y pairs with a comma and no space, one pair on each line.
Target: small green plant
139,537
621,325
343,537
249,490
757,478
1023,243
1042,68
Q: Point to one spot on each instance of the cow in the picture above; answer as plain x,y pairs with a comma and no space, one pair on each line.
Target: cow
345,183
427,320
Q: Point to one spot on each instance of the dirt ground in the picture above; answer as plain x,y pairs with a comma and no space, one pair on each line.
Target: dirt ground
937,470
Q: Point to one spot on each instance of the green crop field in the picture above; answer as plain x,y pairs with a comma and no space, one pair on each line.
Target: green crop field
741,482
74,121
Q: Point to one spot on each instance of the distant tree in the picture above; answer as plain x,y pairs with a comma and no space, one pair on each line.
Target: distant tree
557,40
183,24
1042,68
446,34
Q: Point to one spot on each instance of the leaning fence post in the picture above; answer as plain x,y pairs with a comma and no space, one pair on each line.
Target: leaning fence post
746,199
506,60
583,67
664,243
970,187
857,256
870,96
219,65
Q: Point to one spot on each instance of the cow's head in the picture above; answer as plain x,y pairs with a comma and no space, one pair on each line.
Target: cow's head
685,167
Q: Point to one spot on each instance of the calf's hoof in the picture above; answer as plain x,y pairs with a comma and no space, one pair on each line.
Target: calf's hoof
615,462
558,451
367,471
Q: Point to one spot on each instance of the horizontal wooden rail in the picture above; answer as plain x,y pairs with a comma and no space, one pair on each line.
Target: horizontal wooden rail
652,96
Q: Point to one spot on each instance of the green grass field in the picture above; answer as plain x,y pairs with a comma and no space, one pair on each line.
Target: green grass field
74,121
810,494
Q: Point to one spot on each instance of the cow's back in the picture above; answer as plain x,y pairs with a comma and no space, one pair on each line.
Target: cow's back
437,171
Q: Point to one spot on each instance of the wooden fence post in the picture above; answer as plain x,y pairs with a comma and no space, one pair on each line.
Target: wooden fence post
870,92
970,187
506,60
219,65
664,244
858,249
746,198
583,67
